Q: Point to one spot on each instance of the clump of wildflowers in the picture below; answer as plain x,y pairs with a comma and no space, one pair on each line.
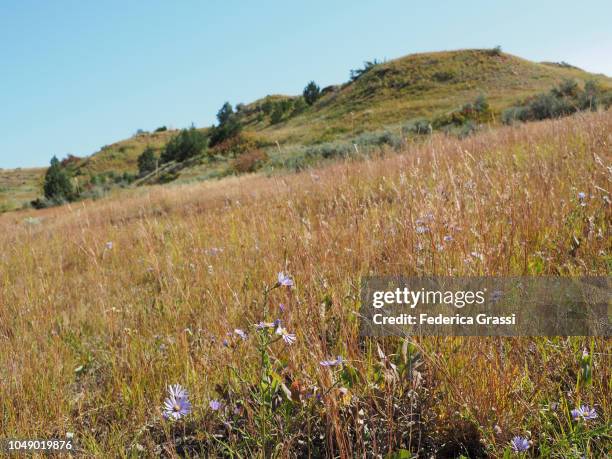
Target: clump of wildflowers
332,363
284,280
214,405
177,404
240,333
519,444
287,337
584,413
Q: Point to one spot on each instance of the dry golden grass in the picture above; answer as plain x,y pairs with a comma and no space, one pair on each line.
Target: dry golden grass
90,336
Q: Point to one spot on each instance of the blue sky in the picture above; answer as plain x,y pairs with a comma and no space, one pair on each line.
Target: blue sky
75,75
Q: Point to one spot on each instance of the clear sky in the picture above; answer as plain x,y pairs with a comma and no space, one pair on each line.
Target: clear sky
75,75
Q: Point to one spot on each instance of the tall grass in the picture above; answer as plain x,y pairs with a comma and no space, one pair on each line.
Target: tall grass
91,333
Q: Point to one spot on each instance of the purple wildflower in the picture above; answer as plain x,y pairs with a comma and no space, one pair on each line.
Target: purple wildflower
263,325
582,196
519,444
281,307
284,280
177,391
448,238
288,338
421,229
108,245
177,403
584,412
240,333
214,405
332,363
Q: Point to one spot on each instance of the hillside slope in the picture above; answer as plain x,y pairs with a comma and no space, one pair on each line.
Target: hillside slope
386,96
419,85
108,302
19,186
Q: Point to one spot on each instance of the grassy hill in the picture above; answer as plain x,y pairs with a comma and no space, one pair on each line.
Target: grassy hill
19,186
419,85
108,302
386,96
122,156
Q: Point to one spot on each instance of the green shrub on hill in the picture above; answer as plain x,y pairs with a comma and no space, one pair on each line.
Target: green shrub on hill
228,126
378,138
419,127
563,100
57,185
299,105
496,51
147,162
473,112
311,93
186,144
277,114
367,66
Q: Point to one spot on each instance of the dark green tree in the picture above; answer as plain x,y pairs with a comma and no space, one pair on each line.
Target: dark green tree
57,186
186,144
225,113
311,93
277,114
229,125
147,161
367,66
267,106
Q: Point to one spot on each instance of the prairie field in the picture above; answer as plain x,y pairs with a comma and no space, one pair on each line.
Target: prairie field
104,304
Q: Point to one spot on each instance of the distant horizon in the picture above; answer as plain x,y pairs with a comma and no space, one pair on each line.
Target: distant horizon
101,72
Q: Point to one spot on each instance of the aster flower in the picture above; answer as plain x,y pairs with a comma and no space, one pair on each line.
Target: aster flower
281,307
240,333
214,405
519,444
582,196
178,391
288,338
108,245
584,412
448,238
332,363
284,280
177,404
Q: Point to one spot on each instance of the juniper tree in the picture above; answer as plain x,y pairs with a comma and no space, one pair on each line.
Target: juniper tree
311,93
57,185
